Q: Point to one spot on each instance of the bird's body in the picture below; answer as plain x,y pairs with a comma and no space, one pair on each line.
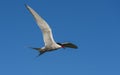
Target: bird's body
50,43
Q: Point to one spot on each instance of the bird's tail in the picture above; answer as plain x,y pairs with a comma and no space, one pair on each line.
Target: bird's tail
40,51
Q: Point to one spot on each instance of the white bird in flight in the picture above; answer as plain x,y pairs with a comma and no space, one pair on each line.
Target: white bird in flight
50,44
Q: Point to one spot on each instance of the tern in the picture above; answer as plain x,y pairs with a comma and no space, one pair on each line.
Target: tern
50,44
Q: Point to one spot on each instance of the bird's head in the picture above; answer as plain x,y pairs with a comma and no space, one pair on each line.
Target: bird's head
61,45
67,45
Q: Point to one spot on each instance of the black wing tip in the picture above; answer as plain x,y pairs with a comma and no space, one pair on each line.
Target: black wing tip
25,5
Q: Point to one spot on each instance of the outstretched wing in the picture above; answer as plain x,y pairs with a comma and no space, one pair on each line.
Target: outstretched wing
46,30
70,45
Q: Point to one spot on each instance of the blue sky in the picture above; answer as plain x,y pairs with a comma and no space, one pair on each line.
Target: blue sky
93,25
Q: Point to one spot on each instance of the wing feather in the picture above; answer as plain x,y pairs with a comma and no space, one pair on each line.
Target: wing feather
46,30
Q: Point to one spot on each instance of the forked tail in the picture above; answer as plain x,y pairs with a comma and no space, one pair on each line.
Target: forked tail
40,51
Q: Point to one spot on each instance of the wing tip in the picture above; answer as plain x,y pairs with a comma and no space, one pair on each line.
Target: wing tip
27,6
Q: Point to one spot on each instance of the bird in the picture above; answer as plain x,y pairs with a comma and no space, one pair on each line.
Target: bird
49,42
